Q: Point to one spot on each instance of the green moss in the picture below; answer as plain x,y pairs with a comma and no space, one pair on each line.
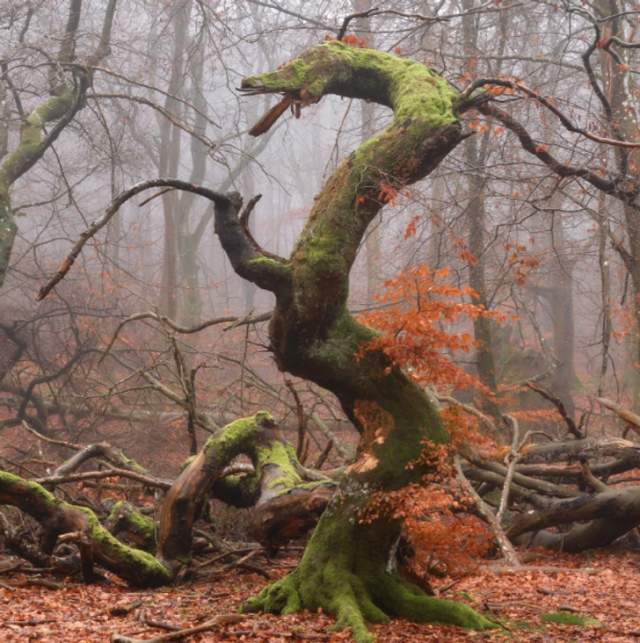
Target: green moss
282,271
222,447
407,86
570,618
409,601
422,103
342,342
130,463
19,160
134,565
237,490
343,567
282,456
290,78
125,517
31,132
342,572
27,493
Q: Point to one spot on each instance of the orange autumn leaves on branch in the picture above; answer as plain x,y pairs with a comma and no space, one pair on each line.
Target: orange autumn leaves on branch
420,321
418,310
439,528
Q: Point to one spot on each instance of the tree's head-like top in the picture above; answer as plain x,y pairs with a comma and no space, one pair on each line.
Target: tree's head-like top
410,88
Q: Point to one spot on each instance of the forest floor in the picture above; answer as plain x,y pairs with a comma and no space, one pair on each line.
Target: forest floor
603,586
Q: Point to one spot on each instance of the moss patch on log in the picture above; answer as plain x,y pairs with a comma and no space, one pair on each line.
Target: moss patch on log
140,528
57,517
563,617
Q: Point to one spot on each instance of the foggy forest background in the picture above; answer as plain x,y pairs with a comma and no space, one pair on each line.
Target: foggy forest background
545,251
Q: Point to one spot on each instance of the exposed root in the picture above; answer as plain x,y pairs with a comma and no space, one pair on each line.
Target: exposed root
344,596
406,600
355,602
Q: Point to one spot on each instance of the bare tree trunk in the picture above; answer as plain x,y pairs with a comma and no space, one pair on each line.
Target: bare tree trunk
561,300
476,221
624,125
169,160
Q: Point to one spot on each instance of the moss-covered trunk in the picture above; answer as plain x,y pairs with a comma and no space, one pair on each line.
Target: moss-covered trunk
313,335
95,543
183,501
31,147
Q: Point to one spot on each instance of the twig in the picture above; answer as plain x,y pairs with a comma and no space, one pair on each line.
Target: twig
302,423
347,19
510,460
123,610
467,408
112,210
240,561
504,543
106,473
185,330
322,458
218,621
160,625
557,402
44,438
215,559
328,433
551,107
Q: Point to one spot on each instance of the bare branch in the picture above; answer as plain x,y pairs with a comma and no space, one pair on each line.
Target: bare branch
557,402
504,543
516,85
151,481
123,197
561,169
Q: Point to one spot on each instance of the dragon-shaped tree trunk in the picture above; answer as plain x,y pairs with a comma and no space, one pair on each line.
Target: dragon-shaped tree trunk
344,567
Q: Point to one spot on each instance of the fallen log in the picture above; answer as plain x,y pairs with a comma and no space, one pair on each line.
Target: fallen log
287,504
58,517
609,515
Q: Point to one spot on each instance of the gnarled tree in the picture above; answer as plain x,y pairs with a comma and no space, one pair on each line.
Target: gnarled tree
344,569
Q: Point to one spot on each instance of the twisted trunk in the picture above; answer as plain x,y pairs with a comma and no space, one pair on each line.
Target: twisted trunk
344,568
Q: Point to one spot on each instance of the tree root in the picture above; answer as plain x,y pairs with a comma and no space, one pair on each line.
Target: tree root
355,602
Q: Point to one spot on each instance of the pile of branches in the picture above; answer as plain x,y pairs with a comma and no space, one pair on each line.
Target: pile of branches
156,548
564,495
